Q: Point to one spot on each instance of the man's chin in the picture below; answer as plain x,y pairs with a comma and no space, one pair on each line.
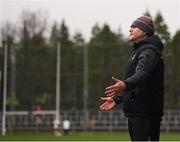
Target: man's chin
131,39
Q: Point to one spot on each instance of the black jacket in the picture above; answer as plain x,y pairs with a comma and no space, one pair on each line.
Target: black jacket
144,78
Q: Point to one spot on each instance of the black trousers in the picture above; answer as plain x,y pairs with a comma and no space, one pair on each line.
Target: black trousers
144,129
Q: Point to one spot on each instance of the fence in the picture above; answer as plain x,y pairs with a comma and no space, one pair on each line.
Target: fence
97,121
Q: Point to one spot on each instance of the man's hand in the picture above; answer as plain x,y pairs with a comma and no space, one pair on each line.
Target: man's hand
108,104
115,89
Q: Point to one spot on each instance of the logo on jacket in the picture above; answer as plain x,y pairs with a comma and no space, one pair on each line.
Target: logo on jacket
133,57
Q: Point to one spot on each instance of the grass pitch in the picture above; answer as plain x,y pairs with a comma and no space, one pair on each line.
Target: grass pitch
80,136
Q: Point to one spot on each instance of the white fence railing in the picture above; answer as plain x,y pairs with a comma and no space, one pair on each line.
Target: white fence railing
97,121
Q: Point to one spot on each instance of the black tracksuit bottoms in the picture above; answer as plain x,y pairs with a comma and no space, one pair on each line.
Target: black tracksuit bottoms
144,129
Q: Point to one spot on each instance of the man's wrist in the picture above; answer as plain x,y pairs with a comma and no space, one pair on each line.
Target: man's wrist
117,99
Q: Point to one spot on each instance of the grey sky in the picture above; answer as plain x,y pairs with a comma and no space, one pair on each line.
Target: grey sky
81,15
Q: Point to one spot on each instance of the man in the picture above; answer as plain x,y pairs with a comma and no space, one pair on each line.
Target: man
142,88
66,126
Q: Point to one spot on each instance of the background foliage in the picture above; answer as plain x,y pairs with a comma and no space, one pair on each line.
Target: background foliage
32,62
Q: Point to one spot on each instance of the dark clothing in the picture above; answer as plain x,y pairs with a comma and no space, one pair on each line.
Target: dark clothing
143,98
144,129
66,132
144,79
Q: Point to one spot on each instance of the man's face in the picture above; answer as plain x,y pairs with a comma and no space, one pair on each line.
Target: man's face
136,35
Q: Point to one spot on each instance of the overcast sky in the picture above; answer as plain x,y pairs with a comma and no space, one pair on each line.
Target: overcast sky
81,15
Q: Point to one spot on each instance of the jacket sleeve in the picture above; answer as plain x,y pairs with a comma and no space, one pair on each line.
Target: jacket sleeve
118,98
147,60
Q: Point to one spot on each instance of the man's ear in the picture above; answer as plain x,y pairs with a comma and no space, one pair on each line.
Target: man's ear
145,35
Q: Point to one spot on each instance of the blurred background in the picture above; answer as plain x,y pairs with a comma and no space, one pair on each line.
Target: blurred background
57,56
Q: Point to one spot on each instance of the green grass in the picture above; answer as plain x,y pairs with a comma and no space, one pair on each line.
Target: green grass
81,136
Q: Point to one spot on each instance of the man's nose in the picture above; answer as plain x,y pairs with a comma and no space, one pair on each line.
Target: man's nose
130,30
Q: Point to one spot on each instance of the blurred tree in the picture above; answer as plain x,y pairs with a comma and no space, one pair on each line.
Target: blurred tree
71,65
8,36
147,13
34,22
161,28
79,45
174,68
54,36
33,62
107,53
95,30
67,67
1,80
